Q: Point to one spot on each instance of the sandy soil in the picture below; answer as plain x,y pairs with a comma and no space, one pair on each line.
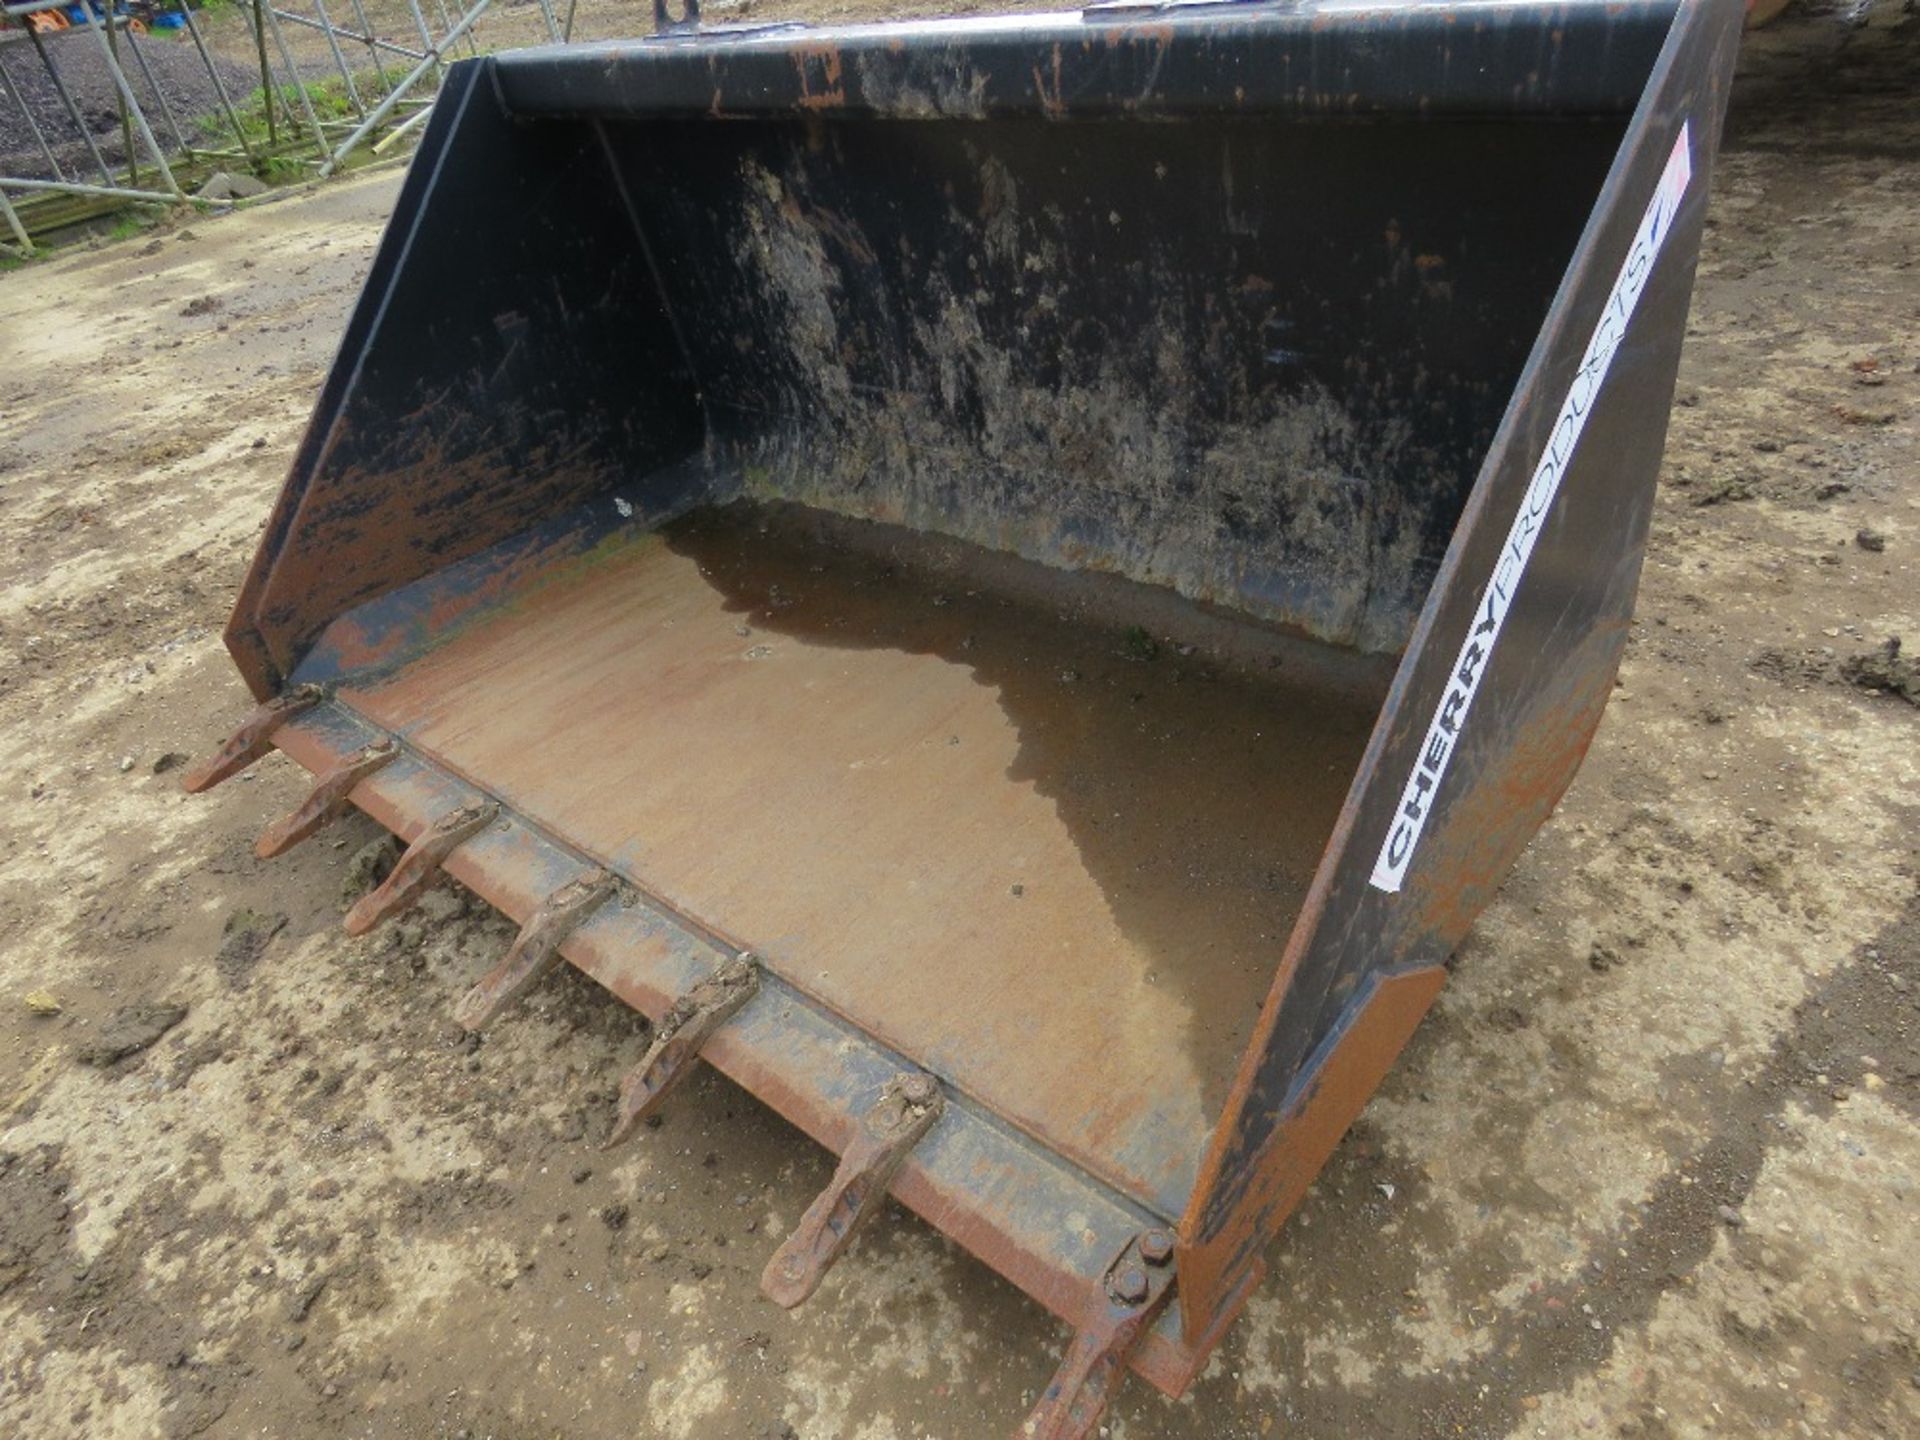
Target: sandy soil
1649,1170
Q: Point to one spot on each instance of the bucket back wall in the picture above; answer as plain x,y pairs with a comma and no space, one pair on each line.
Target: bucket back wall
1197,354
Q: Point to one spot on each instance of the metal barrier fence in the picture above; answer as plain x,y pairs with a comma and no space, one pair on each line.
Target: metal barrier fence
85,103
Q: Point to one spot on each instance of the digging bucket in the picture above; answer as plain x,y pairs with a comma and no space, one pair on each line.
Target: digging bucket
1014,584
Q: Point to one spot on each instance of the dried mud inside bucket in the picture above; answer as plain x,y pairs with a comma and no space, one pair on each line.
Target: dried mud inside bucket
1043,833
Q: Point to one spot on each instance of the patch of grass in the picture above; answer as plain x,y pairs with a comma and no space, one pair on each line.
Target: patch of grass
1137,644
328,99
136,221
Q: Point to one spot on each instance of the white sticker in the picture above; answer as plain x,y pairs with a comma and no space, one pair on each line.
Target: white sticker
1430,767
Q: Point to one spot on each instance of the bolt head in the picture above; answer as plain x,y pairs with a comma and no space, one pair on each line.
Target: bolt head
1129,1285
918,1089
1156,1247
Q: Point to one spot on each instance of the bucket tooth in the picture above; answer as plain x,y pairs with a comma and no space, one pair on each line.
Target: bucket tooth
416,870
906,1110
1133,1290
536,950
252,740
325,801
677,1041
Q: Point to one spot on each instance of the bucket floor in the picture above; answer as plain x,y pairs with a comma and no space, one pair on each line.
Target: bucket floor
986,810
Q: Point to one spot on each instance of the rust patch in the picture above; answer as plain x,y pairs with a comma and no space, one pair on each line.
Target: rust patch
984,1217
1002,762
1211,1267
677,1040
371,640
822,83
535,950
416,870
252,739
434,495
1048,88
906,1110
1135,1287
325,801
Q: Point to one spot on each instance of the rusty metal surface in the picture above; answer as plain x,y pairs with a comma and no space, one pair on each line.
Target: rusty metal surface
465,409
910,1104
1543,679
995,822
1327,1097
378,637
1138,1283
964,839
252,739
535,950
677,1040
1045,1226
326,800
417,869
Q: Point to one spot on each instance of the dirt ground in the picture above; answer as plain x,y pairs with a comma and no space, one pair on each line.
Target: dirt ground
1649,1169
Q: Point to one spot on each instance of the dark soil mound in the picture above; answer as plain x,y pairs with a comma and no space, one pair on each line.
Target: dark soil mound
29,99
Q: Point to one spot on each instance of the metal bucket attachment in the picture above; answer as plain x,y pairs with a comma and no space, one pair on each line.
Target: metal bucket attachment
1085,544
